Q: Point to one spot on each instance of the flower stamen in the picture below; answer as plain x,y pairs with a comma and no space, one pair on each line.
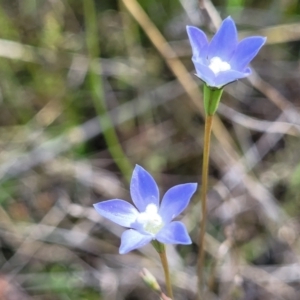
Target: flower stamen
217,65
150,219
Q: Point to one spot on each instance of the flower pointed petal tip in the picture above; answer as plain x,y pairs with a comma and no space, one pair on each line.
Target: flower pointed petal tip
174,233
132,239
246,50
224,41
194,31
176,200
229,22
143,189
118,211
264,38
199,42
229,18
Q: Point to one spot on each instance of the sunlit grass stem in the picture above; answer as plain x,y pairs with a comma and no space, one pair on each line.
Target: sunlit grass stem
97,92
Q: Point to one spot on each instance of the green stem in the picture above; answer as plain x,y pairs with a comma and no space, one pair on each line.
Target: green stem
161,249
97,91
205,165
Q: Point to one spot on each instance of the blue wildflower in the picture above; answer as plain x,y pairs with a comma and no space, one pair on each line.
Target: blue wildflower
224,59
150,221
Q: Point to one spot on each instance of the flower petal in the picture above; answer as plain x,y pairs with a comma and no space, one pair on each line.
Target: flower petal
174,233
143,189
205,73
118,211
132,239
198,42
176,200
224,41
246,50
226,77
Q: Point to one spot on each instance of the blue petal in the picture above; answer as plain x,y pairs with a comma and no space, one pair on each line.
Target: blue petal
176,200
118,211
224,41
143,189
198,42
226,77
174,233
205,73
132,239
246,50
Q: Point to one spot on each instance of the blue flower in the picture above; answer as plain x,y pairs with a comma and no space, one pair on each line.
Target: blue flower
224,59
150,220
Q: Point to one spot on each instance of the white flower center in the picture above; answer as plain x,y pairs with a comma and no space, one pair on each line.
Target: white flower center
217,65
150,219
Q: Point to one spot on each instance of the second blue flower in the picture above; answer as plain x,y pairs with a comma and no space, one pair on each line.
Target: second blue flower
224,59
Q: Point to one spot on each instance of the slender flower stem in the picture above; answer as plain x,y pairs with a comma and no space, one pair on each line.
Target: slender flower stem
206,148
161,250
164,262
